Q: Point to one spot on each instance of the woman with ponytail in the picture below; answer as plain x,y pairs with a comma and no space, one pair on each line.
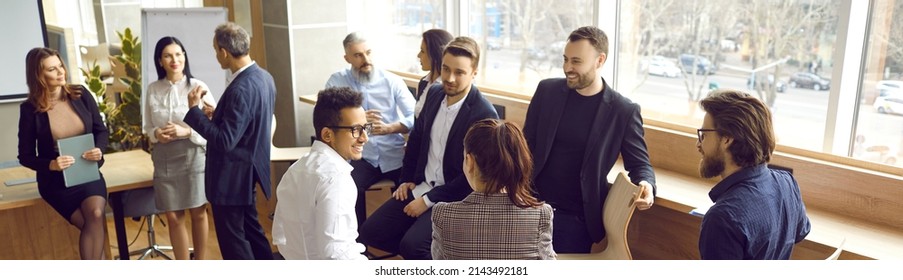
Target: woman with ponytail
500,219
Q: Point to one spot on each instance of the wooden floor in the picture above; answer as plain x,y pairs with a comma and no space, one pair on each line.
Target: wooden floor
137,230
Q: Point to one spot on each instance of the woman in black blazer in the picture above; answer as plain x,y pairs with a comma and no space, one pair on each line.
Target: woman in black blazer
431,47
55,110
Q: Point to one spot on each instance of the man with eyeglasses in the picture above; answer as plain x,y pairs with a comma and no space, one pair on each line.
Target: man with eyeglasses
314,216
390,108
758,212
576,128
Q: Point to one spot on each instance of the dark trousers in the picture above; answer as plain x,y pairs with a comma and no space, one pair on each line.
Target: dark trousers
391,230
365,175
239,233
569,234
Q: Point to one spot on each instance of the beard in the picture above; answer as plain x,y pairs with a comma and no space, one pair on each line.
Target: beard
583,80
454,91
711,166
361,76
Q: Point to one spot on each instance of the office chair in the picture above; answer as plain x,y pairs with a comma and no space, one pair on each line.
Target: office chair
140,203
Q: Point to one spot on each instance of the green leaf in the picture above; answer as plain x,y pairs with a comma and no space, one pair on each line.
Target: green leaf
95,71
126,47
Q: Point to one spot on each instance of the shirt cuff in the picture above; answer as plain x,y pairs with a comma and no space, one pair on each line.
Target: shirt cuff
427,201
197,138
152,136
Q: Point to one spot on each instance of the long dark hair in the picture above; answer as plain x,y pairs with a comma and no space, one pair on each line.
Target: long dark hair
435,40
37,87
158,53
503,158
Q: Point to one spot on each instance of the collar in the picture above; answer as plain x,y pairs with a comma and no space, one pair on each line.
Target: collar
484,198
177,82
455,106
741,175
241,70
375,76
331,155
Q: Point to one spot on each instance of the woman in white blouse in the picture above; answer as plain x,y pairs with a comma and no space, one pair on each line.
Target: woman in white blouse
178,152
430,55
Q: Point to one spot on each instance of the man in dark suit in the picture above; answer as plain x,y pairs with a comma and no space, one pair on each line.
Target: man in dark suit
432,167
576,127
238,145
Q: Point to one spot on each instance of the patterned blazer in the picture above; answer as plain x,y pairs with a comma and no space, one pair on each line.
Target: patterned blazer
488,226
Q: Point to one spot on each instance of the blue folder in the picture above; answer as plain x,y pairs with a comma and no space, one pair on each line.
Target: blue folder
83,170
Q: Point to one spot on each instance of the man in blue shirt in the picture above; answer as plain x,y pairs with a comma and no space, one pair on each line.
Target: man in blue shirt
389,107
758,212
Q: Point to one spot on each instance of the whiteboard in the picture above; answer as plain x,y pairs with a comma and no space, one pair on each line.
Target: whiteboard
22,23
194,27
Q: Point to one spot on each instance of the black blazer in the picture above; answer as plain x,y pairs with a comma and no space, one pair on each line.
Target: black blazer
36,145
616,129
238,138
475,108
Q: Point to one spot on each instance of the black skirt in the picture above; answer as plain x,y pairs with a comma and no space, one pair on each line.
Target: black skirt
65,200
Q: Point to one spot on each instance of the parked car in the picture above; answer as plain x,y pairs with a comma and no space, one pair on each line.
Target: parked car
695,64
663,68
889,105
809,80
752,84
536,54
493,46
889,87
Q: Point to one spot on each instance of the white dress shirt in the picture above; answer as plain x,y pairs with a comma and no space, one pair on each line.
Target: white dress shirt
315,218
168,102
445,118
426,90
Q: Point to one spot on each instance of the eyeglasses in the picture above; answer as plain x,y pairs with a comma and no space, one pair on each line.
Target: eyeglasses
357,129
700,133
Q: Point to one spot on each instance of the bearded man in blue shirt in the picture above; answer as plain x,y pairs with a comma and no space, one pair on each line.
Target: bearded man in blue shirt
758,212
389,106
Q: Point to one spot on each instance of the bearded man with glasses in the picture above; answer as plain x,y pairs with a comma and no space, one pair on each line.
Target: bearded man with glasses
758,212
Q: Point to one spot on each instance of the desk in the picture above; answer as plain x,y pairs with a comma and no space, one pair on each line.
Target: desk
289,155
123,171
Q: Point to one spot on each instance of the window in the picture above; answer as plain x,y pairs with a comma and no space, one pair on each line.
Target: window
523,40
394,29
667,55
879,127
779,51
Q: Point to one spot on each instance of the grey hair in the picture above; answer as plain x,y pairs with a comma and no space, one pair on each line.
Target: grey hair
353,38
233,38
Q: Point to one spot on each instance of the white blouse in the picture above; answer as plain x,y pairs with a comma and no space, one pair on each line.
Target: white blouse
167,101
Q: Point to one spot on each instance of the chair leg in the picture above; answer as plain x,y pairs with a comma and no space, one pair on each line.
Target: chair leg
153,249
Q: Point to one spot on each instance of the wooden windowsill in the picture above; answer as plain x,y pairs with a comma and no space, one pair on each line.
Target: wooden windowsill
683,193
